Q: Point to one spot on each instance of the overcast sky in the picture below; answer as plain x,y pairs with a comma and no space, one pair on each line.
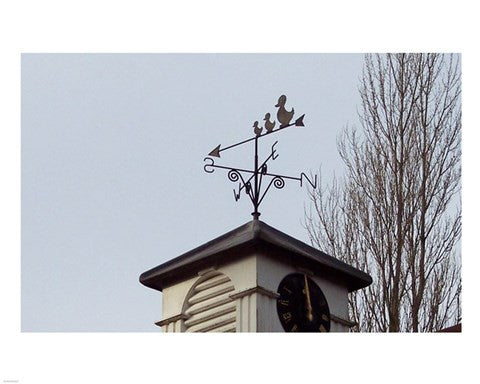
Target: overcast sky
113,149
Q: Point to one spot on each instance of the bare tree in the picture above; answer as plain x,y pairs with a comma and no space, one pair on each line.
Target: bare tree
396,212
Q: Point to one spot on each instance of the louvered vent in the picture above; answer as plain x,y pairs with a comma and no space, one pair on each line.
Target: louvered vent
209,307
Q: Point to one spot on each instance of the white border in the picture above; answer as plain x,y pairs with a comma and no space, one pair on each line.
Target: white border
247,26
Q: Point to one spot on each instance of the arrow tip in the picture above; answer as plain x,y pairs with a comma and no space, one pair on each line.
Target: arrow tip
215,152
299,121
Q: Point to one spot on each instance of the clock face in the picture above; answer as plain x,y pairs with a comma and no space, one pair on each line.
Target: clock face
302,307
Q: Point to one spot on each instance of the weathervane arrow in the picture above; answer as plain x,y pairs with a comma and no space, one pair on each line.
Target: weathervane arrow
216,151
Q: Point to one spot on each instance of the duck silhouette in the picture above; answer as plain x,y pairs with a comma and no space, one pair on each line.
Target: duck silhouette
257,129
268,124
283,115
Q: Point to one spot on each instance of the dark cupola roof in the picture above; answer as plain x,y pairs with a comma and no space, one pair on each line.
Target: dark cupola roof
254,236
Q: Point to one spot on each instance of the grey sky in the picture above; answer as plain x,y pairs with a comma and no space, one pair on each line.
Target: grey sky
112,168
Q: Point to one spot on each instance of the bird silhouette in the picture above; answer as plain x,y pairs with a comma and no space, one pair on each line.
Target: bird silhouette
283,115
268,124
257,129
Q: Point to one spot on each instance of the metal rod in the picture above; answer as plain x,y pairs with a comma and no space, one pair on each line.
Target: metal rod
230,168
255,213
256,137
253,172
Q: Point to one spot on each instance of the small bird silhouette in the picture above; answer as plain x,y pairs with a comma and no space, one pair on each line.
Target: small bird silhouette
268,124
257,129
283,115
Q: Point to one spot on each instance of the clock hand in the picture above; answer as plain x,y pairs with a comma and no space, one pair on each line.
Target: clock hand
308,302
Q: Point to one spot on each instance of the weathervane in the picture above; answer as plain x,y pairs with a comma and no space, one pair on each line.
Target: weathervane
260,172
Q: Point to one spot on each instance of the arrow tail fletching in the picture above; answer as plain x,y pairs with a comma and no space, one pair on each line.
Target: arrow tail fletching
299,121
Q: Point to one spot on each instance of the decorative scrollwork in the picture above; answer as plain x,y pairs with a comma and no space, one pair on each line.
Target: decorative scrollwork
234,175
278,182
